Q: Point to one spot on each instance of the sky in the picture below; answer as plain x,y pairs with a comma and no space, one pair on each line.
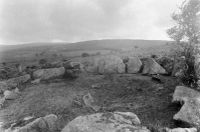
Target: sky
24,21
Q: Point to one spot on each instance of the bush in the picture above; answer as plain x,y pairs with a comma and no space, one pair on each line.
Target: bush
188,75
85,54
42,61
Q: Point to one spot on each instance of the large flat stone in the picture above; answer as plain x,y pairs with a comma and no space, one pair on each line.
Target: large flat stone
106,122
190,111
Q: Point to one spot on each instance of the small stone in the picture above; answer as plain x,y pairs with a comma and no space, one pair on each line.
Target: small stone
10,95
90,102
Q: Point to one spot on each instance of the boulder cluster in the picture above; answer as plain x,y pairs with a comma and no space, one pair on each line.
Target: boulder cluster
114,64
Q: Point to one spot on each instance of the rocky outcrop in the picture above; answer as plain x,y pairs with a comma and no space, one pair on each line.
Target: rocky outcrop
150,66
190,111
42,124
14,82
106,122
133,65
45,74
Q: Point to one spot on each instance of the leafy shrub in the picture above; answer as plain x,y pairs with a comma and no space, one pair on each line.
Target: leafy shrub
42,61
85,54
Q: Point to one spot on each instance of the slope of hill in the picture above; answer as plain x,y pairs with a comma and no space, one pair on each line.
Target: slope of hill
28,51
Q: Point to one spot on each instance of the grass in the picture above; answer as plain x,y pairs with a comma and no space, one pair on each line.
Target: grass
133,93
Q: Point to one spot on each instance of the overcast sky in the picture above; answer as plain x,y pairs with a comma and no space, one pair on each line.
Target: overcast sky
77,20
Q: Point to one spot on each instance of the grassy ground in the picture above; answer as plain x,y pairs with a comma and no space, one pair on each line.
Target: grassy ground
150,100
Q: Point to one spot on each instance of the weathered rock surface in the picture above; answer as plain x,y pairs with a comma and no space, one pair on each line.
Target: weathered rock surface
45,74
150,66
110,64
42,124
133,65
181,130
190,111
106,122
14,82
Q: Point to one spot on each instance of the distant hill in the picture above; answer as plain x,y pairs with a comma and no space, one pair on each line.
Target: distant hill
89,45
30,51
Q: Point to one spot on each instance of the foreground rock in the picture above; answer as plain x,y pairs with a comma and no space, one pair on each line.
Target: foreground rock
190,111
181,130
45,74
133,65
42,124
14,82
106,122
150,66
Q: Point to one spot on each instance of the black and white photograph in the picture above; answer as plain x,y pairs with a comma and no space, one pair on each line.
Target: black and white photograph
99,65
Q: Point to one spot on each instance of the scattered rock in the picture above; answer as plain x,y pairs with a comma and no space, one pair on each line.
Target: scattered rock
45,74
181,130
13,82
90,102
190,111
72,73
42,124
106,122
96,86
133,65
10,95
150,66
36,81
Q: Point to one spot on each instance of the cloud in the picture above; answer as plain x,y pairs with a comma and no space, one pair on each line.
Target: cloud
76,20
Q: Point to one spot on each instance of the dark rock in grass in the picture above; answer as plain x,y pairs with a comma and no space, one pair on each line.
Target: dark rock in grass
150,66
190,111
106,122
157,78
